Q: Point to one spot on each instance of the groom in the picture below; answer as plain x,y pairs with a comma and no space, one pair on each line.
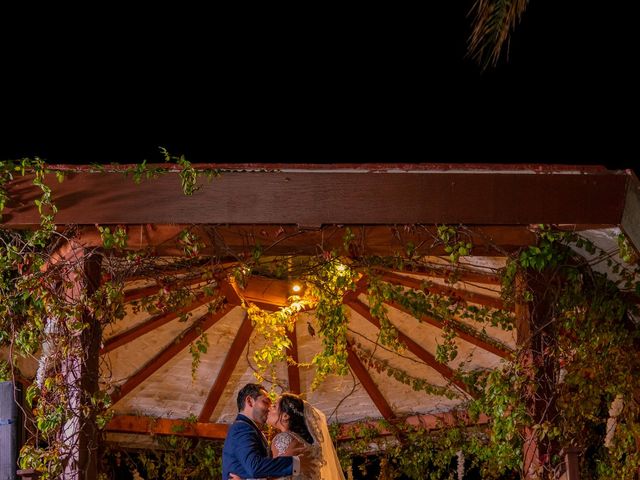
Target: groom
246,452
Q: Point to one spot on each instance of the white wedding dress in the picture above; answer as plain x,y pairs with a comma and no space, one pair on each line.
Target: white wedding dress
327,466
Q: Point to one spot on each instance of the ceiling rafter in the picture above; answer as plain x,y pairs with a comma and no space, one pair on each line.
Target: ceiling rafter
173,270
461,274
428,421
138,293
448,373
293,372
166,426
145,327
501,351
442,290
229,364
238,240
369,385
187,336
218,431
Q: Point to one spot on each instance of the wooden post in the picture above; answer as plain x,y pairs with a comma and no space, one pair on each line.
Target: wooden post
80,370
292,370
571,463
534,333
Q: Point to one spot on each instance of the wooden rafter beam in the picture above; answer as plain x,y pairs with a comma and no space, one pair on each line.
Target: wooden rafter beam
229,364
464,275
413,347
405,198
218,431
369,385
433,421
383,240
239,241
138,293
188,336
293,371
145,327
166,426
174,270
437,289
501,351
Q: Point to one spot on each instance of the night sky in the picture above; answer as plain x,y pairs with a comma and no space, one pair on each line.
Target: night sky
372,85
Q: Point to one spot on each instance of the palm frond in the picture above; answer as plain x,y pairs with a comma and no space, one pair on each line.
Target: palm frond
493,21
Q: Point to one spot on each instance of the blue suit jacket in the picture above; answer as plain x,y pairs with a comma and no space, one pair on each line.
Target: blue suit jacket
246,453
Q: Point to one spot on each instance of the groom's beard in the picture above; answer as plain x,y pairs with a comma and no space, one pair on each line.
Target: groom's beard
260,418
263,419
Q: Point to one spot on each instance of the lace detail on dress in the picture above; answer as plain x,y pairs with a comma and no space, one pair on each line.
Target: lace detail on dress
282,441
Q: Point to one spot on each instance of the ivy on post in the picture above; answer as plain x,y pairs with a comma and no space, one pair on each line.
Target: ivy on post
80,368
534,326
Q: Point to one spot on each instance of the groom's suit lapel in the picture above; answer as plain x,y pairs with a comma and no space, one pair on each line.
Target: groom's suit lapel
265,444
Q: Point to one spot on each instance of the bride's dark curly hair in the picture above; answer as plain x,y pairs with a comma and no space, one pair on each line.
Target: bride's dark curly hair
294,406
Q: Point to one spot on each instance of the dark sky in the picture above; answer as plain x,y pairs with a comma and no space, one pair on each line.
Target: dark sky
373,85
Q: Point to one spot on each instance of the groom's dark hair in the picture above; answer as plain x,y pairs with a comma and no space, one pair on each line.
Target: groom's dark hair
252,390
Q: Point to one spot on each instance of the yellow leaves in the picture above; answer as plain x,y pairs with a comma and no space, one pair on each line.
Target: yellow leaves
273,327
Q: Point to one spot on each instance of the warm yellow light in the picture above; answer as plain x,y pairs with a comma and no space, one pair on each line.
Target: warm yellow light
296,287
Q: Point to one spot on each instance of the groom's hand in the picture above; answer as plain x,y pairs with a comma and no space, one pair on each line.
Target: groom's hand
233,476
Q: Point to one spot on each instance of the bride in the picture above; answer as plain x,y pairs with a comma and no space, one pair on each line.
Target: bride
301,426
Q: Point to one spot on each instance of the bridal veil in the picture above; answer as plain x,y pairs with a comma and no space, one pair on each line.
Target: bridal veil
317,424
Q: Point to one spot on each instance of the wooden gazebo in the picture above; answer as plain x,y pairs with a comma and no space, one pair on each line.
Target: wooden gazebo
303,210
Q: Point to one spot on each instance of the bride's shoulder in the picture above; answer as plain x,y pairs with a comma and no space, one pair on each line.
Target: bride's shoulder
282,440
282,435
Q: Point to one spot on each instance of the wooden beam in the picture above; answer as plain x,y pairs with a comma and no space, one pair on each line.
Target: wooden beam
166,426
373,167
172,271
369,385
464,275
293,370
404,198
145,327
571,462
384,240
413,347
442,290
227,288
138,293
427,421
218,431
229,364
188,336
503,352
281,239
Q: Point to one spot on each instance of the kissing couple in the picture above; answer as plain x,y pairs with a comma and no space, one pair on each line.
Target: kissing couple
302,449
